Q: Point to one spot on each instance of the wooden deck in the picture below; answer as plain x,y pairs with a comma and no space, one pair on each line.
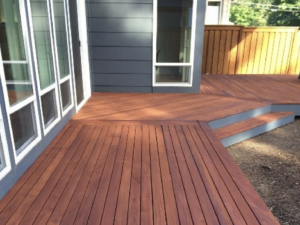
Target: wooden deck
178,107
275,89
145,159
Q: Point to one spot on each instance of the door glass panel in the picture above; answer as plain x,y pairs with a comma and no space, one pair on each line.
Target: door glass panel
174,23
49,107
42,38
77,58
11,35
61,38
65,94
176,74
23,126
17,74
18,82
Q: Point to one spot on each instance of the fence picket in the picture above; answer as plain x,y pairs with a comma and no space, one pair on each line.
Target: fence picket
251,50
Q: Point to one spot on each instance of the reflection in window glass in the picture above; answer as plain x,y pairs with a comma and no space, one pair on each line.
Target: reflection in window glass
18,82
42,38
11,36
23,126
174,22
17,76
61,38
172,74
65,94
49,107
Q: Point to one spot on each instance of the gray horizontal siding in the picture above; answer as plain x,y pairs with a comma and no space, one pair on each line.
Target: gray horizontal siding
121,45
123,80
122,39
121,10
122,1
121,67
122,53
121,89
137,25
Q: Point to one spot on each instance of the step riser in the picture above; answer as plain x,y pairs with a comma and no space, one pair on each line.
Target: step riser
240,117
257,130
286,108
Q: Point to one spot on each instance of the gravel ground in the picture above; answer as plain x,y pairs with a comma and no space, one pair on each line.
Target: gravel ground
271,162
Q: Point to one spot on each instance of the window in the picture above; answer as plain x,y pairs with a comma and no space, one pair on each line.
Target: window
63,58
174,37
35,73
17,79
48,90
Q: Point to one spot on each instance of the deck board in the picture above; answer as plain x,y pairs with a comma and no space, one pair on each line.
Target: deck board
138,174
204,107
149,159
275,89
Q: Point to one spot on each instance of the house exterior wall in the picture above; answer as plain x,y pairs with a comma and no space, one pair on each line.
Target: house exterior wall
121,45
121,41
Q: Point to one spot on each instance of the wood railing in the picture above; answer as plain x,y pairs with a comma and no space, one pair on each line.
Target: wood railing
251,50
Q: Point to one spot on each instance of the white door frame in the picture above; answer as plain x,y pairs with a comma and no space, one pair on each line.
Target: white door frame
84,52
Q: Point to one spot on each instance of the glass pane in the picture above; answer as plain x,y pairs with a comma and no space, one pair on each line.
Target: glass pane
65,94
49,107
174,21
23,126
11,36
61,37
178,74
42,37
18,82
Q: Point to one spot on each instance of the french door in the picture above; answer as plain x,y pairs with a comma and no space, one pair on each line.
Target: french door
52,54
35,68
17,77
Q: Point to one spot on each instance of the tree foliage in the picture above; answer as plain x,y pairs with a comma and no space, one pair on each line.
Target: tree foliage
285,14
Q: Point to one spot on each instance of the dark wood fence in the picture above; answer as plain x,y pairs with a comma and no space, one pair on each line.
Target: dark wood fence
251,50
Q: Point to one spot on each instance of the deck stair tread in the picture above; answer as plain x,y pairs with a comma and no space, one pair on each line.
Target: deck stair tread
242,126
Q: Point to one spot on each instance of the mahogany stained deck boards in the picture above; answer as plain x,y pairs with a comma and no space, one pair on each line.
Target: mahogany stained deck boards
275,89
251,123
147,159
205,107
134,174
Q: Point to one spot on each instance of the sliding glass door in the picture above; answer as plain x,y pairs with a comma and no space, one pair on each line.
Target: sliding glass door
173,41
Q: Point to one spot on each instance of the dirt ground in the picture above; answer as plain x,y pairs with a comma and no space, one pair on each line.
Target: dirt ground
271,162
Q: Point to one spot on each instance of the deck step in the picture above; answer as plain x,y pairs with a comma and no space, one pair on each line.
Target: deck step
245,129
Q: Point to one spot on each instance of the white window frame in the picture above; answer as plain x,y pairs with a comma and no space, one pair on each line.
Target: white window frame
20,153
4,155
84,53
41,92
190,64
70,76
